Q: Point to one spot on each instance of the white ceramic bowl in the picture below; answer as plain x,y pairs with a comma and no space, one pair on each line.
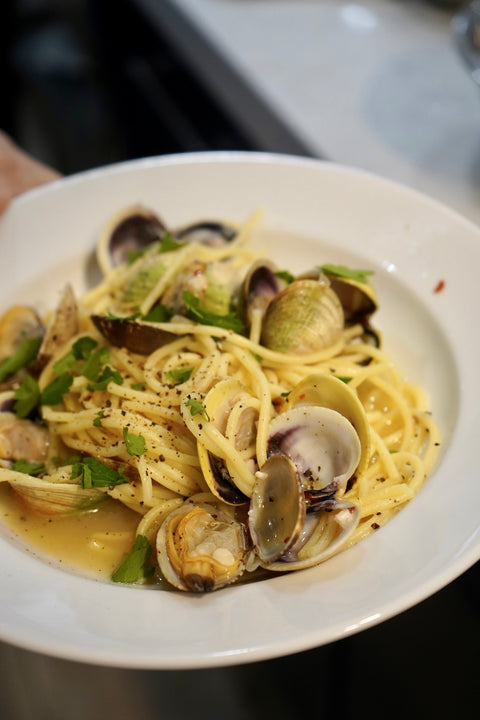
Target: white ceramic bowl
315,212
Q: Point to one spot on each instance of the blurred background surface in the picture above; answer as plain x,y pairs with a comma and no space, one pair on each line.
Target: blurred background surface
89,82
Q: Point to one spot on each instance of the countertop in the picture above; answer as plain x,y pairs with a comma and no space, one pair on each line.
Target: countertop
377,84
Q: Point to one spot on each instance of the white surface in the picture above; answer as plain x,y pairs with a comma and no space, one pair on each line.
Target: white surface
333,214
376,84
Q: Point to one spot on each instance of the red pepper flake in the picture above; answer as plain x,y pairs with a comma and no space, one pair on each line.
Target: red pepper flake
375,526
439,286
277,401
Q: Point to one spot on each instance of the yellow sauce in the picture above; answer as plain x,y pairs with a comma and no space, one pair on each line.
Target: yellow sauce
92,543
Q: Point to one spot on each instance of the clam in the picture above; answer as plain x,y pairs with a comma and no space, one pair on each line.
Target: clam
135,335
132,229
60,497
201,548
295,518
331,392
322,443
240,427
358,299
305,317
22,439
207,232
326,531
64,324
277,509
259,287
17,324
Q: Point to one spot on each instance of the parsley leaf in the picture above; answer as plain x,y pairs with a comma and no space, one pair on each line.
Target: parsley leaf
91,369
360,276
179,375
53,393
81,350
30,468
167,243
94,473
159,313
97,421
196,408
135,443
27,397
285,275
197,312
134,565
107,376
23,356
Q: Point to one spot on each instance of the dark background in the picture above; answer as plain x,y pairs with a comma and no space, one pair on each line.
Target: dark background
87,83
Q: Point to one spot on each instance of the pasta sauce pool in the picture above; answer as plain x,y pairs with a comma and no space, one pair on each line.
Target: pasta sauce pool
92,543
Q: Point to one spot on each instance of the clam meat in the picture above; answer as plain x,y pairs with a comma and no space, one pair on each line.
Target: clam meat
201,548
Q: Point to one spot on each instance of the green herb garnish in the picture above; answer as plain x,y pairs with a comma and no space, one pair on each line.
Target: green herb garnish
196,311
27,397
23,356
167,243
360,276
196,407
54,391
80,350
285,275
134,565
94,364
94,473
30,468
106,376
97,421
179,375
135,444
158,314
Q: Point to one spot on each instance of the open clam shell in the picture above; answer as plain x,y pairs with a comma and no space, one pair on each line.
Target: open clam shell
138,337
331,392
230,411
321,442
325,533
131,229
277,509
201,548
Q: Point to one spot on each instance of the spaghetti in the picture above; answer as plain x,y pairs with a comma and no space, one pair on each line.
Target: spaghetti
182,434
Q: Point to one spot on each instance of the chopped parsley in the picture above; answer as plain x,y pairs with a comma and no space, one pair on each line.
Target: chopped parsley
135,444
53,393
360,276
159,313
104,378
27,397
135,565
196,408
179,375
30,468
97,421
94,473
94,364
23,356
80,350
196,311
285,275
